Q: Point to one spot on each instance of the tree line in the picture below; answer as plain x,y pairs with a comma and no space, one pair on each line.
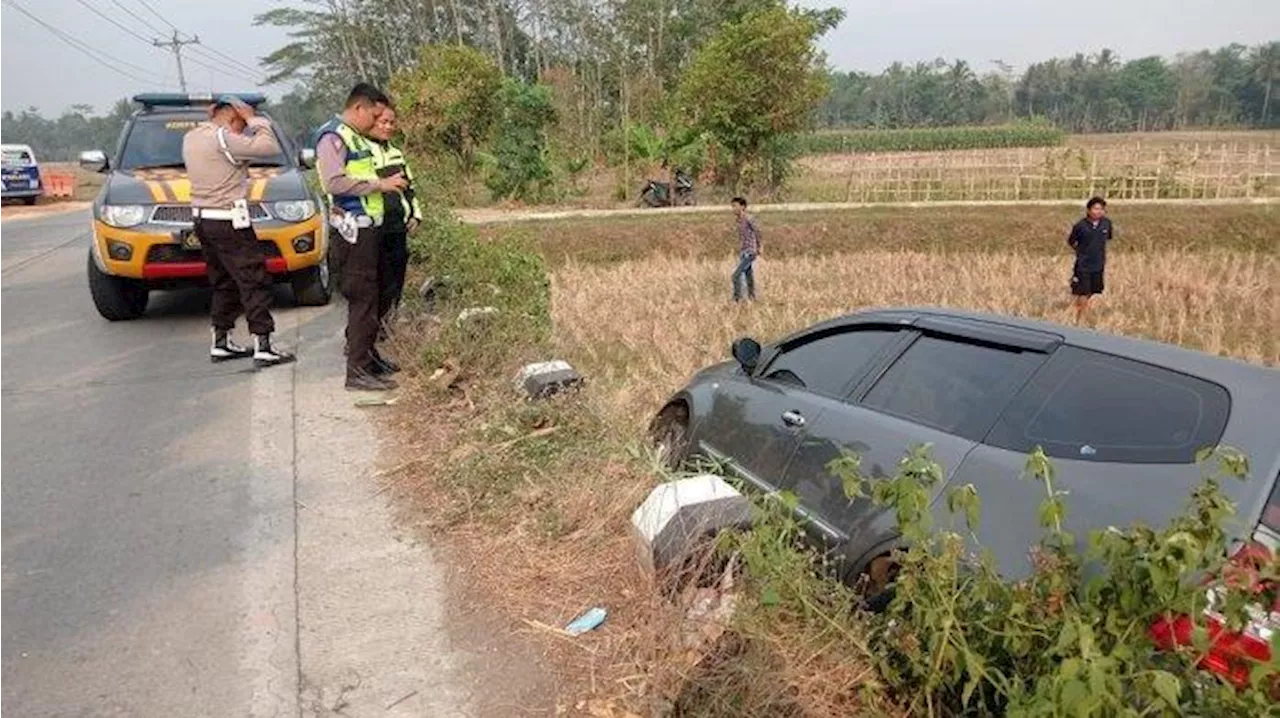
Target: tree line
1232,86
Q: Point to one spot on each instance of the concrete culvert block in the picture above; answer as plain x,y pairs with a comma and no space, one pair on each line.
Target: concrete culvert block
475,313
677,516
544,379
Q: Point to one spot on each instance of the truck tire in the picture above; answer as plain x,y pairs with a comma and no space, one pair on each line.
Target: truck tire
312,286
30,200
116,298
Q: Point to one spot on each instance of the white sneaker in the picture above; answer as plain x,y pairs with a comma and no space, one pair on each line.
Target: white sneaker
264,355
224,348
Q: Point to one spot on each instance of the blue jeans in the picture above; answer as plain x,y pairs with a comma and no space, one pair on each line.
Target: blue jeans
745,271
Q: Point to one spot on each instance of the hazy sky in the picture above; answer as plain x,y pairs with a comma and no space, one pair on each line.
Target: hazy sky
39,69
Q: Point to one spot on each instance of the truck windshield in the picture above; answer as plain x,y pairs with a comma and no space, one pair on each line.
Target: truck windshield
155,142
15,158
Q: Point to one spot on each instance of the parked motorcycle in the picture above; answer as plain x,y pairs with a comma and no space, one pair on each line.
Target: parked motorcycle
659,194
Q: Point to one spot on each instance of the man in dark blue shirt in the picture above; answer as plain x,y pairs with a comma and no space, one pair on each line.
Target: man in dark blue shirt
1089,238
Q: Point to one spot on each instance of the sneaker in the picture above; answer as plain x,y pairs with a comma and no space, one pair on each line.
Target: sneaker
225,349
264,355
368,382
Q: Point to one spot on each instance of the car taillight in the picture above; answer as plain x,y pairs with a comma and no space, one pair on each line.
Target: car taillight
1232,654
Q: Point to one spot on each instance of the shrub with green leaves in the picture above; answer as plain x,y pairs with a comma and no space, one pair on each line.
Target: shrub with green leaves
959,639
925,139
505,273
520,161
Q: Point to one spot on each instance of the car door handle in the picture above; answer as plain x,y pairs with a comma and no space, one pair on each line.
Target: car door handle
793,418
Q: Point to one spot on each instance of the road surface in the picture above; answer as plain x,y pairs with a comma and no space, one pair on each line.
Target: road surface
189,539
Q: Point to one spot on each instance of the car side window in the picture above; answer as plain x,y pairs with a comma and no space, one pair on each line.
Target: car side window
1091,406
955,386
826,363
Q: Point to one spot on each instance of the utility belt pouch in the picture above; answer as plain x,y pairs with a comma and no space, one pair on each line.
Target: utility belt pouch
240,214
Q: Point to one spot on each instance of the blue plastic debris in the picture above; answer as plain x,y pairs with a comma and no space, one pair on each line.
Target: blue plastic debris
588,621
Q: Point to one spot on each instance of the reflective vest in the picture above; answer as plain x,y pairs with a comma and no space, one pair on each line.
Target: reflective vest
359,166
388,160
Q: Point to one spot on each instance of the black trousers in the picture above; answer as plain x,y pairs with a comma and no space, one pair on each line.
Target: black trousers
237,272
393,264
359,283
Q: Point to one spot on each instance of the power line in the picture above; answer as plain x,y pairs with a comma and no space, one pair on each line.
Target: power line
98,56
138,17
221,56
227,58
162,19
224,68
111,20
222,71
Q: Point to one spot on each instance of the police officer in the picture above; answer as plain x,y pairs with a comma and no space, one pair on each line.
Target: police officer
403,215
217,154
347,172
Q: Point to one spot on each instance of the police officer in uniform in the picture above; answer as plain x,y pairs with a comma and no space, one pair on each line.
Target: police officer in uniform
346,166
403,215
217,155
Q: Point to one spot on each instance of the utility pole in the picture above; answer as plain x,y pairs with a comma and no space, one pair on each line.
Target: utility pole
176,44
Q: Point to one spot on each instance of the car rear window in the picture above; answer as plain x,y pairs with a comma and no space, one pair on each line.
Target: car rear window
955,386
157,142
826,363
1098,407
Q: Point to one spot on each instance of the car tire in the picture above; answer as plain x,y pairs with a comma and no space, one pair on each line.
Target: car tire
881,576
116,298
670,434
313,286
30,200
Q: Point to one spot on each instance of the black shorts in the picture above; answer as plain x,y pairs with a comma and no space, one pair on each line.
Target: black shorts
1084,283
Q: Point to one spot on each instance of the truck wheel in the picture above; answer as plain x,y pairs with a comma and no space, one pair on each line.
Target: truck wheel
312,286
30,200
116,298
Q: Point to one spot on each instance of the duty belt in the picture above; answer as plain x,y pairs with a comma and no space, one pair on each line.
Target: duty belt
206,213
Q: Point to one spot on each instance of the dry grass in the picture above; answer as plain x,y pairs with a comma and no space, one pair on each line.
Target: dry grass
535,499
642,327
1028,229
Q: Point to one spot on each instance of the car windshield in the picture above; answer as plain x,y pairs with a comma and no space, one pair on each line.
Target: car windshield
16,158
155,142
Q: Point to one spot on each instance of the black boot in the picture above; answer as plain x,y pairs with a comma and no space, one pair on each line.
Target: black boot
382,365
366,381
264,355
224,349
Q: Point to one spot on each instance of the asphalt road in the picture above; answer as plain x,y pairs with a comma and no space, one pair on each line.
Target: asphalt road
188,539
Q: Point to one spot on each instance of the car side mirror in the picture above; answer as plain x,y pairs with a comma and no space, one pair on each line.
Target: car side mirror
94,161
747,352
307,158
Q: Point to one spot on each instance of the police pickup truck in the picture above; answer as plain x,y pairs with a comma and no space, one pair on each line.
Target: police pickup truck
142,224
20,173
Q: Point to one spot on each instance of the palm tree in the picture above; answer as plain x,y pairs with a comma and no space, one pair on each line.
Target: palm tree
1266,59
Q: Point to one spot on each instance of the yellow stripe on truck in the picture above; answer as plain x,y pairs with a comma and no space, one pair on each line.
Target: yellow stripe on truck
157,191
181,189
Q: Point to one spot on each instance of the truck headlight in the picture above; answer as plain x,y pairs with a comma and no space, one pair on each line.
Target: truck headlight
124,215
295,210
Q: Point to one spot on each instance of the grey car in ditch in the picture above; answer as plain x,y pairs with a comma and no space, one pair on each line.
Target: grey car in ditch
1121,419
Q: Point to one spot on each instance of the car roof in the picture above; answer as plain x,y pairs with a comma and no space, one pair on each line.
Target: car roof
24,148
1233,374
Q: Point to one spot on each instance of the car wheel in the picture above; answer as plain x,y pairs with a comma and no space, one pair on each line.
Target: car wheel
116,298
879,587
30,200
670,435
312,287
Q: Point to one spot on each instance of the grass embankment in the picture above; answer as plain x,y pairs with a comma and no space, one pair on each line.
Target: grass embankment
537,496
